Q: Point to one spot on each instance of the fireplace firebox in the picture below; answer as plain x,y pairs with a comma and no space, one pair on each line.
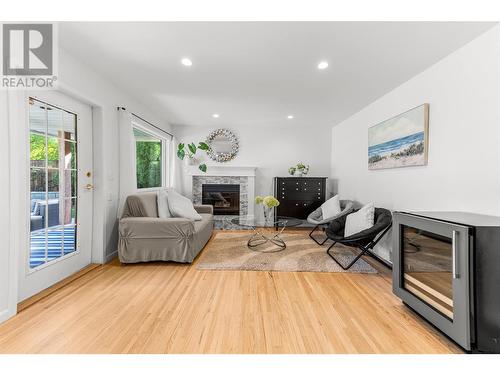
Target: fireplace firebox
225,198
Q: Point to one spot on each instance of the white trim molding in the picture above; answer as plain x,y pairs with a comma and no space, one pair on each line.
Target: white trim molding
218,170
16,106
111,256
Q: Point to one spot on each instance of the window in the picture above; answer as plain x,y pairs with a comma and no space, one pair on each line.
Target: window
150,159
53,182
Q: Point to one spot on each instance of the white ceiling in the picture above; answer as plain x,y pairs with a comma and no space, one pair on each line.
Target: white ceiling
256,73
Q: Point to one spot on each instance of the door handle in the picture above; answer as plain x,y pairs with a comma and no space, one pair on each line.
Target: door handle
89,186
454,255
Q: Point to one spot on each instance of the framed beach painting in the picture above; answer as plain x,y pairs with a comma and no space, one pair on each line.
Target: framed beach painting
401,141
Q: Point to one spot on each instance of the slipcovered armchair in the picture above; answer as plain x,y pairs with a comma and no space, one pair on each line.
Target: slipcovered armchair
364,240
316,218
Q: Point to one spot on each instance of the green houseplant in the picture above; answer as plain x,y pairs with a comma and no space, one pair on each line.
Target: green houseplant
299,169
190,152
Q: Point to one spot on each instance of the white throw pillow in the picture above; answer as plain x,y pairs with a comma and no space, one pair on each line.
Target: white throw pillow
181,206
162,200
360,220
331,207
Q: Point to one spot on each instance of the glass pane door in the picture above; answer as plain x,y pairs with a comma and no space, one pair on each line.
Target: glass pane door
53,183
427,268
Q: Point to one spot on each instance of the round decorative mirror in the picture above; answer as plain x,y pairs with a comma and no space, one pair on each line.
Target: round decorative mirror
223,145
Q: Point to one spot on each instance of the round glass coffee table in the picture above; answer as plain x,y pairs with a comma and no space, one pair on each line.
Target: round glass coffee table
266,231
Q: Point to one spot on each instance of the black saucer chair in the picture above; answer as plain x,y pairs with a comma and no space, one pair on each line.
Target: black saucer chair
364,240
316,218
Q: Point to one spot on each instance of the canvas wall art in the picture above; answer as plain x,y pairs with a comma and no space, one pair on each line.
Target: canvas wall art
401,141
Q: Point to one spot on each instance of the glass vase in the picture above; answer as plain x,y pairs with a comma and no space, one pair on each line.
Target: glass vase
267,215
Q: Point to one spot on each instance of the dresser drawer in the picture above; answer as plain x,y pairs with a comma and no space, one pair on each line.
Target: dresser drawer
301,204
300,197
311,185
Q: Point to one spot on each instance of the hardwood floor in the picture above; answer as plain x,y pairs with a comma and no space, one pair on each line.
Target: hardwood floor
173,308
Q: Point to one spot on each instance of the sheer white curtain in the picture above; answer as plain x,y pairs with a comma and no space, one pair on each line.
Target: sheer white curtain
127,162
176,181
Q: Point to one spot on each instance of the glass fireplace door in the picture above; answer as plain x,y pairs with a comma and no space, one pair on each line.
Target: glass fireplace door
431,272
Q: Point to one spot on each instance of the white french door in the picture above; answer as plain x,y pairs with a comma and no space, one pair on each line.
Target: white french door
59,200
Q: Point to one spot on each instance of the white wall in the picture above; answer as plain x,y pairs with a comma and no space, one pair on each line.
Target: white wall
463,172
79,81
272,150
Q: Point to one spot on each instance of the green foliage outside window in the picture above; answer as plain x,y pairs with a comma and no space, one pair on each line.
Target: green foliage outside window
148,164
37,148
37,157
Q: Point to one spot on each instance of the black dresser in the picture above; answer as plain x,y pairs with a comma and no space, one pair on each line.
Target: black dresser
299,196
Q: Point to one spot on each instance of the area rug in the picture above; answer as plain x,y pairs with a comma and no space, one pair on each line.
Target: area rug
229,251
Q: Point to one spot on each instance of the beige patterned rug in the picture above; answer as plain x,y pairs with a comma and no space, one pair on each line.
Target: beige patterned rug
229,251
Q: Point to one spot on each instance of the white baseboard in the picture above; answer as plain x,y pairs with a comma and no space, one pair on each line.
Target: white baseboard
110,257
5,315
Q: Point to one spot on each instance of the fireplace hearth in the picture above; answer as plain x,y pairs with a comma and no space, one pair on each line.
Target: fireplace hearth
225,198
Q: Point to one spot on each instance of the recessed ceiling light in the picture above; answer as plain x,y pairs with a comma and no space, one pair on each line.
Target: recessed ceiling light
322,65
289,117
186,62
215,115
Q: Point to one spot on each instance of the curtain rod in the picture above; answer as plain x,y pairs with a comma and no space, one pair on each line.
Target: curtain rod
147,122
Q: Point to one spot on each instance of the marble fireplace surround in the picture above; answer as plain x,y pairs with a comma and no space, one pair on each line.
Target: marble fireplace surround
243,176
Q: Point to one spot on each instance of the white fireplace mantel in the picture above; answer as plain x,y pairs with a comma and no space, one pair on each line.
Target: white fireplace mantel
226,170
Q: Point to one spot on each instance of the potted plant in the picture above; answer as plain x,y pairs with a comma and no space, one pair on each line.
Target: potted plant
190,152
299,170
268,203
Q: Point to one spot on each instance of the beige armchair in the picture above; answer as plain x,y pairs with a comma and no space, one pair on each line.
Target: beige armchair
144,237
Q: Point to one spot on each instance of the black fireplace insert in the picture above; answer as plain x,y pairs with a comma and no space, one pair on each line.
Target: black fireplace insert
225,198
